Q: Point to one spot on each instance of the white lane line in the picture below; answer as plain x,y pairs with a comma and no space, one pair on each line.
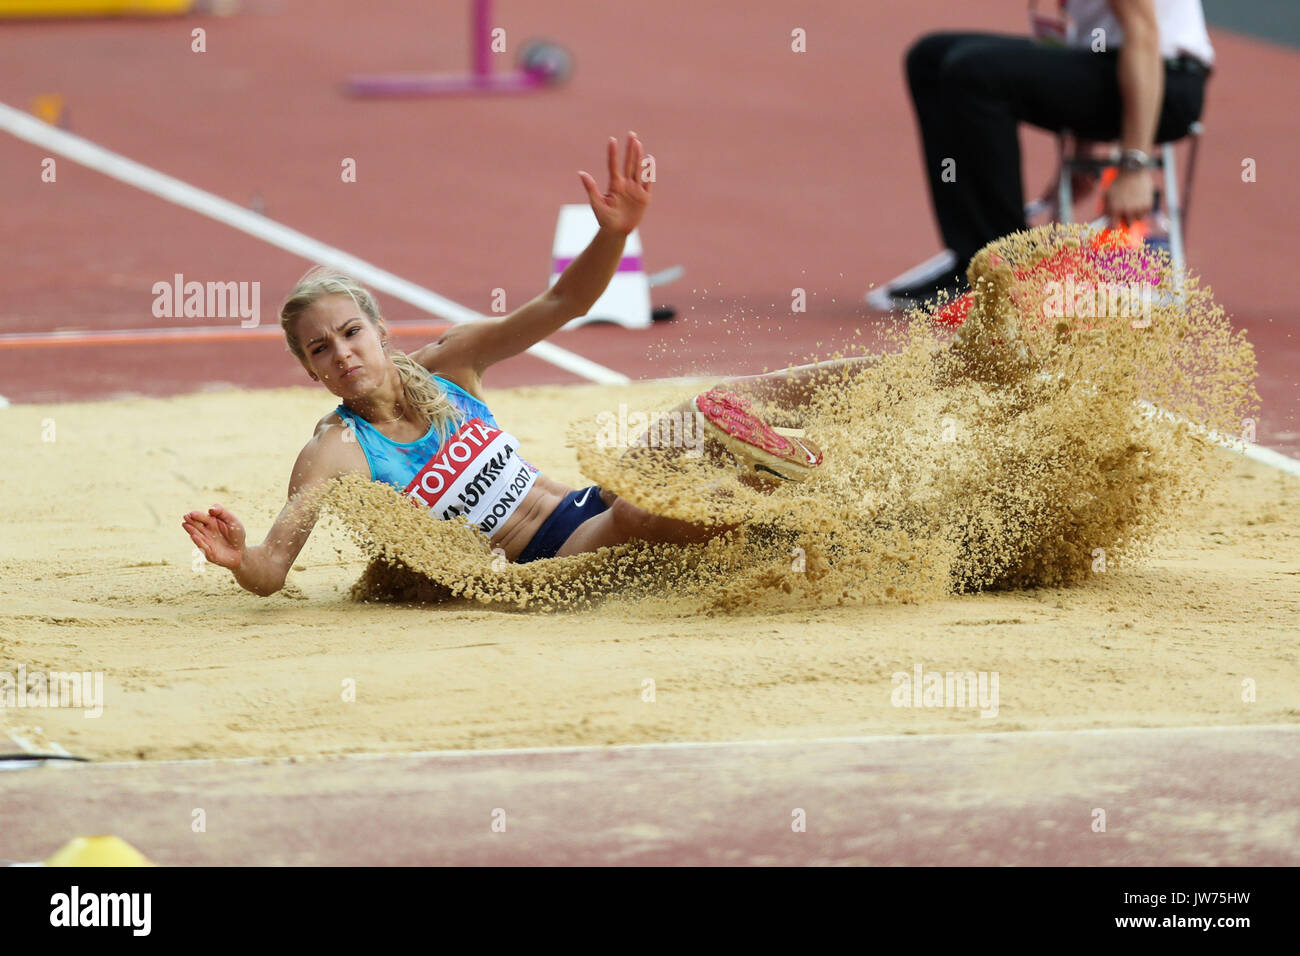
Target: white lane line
989,736
4,402
96,157
1265,456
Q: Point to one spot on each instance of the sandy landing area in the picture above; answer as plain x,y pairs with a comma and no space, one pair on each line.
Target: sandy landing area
99,576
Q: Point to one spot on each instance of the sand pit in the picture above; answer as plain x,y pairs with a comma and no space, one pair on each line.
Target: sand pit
99,577
1000,510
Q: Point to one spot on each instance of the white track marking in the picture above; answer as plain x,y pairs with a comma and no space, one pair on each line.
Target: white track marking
1259,453
668,275
1265,456
4,402
23,744
26,746
93,156
708,745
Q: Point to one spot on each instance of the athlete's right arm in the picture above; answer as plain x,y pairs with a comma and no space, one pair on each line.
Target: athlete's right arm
263,568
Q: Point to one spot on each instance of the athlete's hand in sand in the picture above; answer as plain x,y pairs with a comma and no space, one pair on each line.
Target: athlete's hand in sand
218,534
624,203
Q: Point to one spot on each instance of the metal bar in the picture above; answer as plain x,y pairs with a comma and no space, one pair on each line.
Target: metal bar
1194,134
1175,212
480,40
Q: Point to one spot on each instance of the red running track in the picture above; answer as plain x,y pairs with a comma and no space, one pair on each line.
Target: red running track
776,170
1167,797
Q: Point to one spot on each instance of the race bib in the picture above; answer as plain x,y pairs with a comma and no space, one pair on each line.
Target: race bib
477,473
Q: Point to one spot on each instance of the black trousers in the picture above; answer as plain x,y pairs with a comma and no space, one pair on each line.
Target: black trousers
970,91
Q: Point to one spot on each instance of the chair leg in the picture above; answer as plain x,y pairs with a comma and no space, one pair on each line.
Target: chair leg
1194,136
1174,210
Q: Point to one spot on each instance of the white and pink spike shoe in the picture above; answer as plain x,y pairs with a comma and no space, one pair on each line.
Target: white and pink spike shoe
732,421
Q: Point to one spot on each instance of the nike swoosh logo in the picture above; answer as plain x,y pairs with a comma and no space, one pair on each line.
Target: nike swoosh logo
579,502
812,459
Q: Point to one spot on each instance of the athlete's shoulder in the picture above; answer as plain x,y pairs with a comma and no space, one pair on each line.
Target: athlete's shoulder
331,419
443,360
448,350
466,381
332,449
333,430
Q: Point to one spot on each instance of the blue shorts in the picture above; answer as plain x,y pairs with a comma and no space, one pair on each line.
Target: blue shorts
576,508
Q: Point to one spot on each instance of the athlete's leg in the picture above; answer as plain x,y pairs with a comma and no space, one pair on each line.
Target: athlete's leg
793,388
624,522
789,389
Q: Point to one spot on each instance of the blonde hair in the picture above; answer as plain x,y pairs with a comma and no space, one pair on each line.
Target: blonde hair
421,391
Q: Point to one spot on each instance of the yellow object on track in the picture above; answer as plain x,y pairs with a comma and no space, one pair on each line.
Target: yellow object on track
48,9
98,851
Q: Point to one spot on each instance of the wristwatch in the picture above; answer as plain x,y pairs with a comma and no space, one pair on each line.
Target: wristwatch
1132,160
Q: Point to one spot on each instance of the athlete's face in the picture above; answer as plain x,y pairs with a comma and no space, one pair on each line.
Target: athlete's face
342,347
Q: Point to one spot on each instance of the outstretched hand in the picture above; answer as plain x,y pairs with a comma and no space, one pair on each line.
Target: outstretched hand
218,534
623,204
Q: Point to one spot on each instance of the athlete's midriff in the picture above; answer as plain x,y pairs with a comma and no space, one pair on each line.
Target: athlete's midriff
541,501
478,473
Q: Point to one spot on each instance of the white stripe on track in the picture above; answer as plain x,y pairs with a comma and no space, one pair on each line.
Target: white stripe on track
115,166
1265,456
723,745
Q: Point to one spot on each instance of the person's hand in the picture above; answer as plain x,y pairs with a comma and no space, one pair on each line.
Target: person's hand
624,203
218,534
1130,197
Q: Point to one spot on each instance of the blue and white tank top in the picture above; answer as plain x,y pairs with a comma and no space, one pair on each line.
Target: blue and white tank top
470,467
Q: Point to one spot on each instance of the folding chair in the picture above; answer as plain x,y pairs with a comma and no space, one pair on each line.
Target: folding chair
1176,202
1177,199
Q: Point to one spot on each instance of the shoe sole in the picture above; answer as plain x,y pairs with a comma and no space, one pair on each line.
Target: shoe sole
730,420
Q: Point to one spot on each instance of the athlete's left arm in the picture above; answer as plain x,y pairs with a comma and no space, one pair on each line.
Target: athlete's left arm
475,346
